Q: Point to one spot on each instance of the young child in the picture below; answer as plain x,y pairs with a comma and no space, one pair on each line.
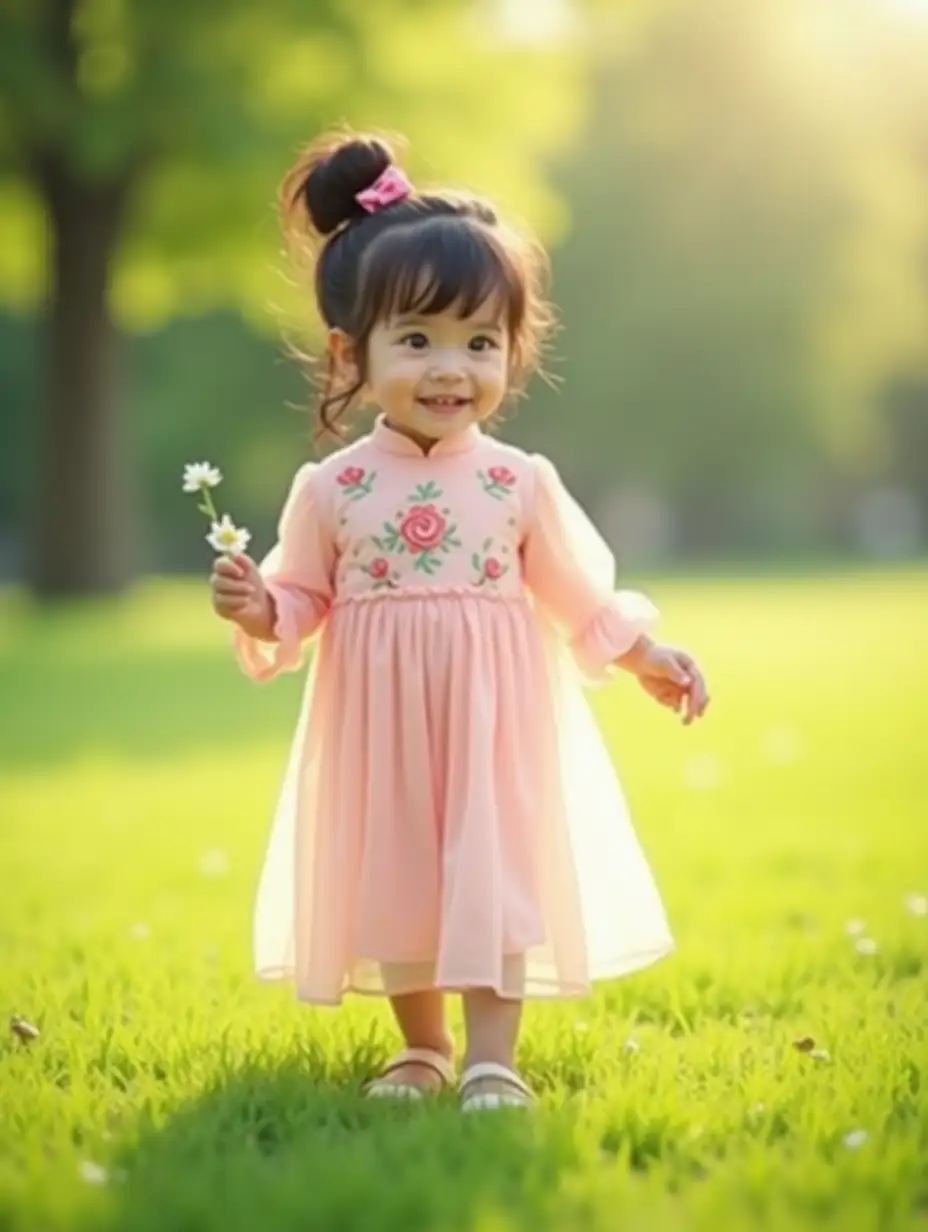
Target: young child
450,819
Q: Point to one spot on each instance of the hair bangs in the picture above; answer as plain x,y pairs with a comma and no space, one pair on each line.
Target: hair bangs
437,264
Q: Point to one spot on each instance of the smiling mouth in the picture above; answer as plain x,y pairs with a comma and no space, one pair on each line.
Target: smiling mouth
444,404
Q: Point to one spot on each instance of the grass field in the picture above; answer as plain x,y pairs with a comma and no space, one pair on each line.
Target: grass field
169,1091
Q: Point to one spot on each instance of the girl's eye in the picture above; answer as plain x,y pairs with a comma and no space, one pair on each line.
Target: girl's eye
418,342
483,343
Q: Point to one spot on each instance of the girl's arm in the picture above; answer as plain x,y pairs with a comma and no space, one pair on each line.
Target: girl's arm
571,571
298,574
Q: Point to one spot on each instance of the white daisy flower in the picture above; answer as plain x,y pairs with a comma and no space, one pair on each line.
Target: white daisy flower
214,863
856,1138
916,904
631,1045
866,945
854,928
820,1054
228,538
93,1174
198,476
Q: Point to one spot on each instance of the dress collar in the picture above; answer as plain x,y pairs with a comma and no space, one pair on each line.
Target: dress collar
391,441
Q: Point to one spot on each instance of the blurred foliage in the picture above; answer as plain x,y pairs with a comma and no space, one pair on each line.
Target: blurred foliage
746,277
742,283
205,102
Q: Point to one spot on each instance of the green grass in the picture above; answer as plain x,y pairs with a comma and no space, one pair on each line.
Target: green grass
134,760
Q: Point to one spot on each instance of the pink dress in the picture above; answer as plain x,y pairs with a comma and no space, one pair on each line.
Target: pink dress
449,816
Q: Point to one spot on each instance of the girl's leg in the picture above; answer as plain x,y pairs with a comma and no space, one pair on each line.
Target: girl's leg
421,1020
492,1024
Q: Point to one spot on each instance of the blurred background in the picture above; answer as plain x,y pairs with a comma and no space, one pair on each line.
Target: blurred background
735,197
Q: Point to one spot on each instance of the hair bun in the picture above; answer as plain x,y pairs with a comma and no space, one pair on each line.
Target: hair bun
338,173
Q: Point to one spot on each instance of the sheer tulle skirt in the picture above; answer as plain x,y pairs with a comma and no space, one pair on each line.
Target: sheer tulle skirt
450,816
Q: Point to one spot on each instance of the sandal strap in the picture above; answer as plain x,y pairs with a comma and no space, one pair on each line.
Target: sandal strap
491,1069
421,1056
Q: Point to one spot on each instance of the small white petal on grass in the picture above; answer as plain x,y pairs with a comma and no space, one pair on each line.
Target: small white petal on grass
93,1174
865,945
631,1045
916,904
701,772
855,927
781,745
214,863
140,931
225,536
820,1054
758,1109
855,1139
201,475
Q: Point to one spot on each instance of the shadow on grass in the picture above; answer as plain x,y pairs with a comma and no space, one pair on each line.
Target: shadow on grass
295,1148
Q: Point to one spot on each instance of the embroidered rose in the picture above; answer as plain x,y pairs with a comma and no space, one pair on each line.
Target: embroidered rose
356,482
497,481
378,568
351,476
423,528
502,475
488,568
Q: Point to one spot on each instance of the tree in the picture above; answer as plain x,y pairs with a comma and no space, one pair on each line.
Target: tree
143,142
749,231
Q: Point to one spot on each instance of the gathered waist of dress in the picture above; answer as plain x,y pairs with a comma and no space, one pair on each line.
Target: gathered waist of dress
419,593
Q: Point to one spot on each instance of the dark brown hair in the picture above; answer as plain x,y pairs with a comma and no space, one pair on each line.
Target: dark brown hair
422,254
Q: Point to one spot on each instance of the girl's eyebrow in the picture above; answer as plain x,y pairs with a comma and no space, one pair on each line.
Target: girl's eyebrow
401,322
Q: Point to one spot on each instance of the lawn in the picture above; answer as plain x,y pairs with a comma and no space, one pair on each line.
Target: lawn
169,1091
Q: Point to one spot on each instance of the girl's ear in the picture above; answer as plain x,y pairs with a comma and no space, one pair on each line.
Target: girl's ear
344,353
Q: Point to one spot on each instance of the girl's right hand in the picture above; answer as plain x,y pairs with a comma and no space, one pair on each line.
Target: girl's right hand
239,594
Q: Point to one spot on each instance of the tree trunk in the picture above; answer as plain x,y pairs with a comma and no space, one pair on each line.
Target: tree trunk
81,537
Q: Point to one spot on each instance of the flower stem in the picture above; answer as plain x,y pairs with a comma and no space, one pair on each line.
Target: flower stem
209,507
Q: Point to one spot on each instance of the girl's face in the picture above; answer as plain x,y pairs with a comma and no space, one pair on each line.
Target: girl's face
433,376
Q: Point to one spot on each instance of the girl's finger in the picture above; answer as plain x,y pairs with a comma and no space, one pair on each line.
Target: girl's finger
233,590
695,700
230,603
246,565
224,567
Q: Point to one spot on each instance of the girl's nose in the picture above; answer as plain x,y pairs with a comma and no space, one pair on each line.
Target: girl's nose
447,365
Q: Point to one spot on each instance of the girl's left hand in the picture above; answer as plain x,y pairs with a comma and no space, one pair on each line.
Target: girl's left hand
671,677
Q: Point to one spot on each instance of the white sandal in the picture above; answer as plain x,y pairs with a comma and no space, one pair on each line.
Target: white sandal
519,1096
377,1088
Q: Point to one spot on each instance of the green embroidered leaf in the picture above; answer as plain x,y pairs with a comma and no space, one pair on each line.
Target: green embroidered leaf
377,542
487,544
426,491
475,561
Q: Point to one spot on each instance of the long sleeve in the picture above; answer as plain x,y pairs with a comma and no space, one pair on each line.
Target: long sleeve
571,572
299,573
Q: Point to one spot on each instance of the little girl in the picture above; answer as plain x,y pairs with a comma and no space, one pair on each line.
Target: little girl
450,819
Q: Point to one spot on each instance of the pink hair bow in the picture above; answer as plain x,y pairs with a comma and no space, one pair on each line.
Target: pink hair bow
390,186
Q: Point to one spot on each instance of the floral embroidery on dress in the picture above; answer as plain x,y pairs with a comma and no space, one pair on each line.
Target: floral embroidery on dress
356,482
423,530
497,482
378,570
488,568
